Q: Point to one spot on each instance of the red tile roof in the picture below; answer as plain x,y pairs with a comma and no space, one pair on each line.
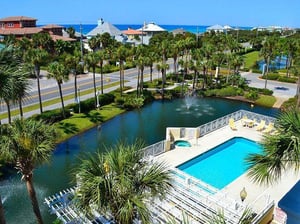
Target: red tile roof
132,32
17,18
51,26
21,31
56,38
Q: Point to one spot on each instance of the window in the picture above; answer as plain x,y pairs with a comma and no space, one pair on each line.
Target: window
10,25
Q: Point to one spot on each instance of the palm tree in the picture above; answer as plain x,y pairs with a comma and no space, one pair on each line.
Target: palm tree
27,144
268,52
121,182
37,57
60,73
101,56
121,55
72,62
92,60
280,151
21,86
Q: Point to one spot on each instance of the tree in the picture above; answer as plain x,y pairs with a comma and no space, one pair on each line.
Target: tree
72,62
37,57
92,60
71,31
268,51
60,73
101,56
121,55
27,144
121,182
281,150
21,86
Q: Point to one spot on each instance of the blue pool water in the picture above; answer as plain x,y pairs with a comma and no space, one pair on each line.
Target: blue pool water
222,164
182,143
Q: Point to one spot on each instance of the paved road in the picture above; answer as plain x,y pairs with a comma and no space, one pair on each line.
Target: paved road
49,88
280,89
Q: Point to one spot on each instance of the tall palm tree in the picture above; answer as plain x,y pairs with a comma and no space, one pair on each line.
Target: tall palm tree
280,151
268,51
101,56
72,62
121,182
37,57
21,86
27,144
60,73
121,55
92,60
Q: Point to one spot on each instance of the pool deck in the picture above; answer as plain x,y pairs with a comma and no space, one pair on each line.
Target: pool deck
256,195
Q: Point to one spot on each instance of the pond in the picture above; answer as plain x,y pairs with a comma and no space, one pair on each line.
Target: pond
148,123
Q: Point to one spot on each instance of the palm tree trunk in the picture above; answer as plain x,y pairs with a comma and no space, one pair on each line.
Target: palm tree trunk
151,71
75,85
142,81
34,201
101,75
138,84
267,71
20,107
37,72
62,100
120,68
298,93
95,90
8,111
2,218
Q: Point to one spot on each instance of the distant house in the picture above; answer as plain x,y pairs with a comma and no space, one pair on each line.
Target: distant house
216,28
132,34
22,26
179,31
151,28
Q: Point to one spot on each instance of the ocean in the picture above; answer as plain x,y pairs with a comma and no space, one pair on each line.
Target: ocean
190,28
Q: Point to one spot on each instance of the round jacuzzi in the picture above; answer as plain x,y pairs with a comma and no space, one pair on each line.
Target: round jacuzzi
182,143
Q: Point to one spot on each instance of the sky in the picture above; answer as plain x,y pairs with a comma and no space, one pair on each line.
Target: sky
251,13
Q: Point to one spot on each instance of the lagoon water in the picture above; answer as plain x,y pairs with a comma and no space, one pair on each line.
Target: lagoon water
148,124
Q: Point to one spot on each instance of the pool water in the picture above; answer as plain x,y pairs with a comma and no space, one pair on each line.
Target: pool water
182,143
222,164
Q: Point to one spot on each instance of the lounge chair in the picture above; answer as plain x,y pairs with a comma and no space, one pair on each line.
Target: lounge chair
232,124
261,125
269,128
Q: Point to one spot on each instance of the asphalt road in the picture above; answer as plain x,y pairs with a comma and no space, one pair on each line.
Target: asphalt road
49,89
280,89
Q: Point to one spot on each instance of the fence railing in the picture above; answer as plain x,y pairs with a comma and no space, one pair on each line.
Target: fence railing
159,147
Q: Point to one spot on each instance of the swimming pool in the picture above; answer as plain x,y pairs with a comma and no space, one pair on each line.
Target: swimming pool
222,164
182,143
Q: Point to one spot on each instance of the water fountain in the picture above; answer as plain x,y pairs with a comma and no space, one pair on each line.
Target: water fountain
189,100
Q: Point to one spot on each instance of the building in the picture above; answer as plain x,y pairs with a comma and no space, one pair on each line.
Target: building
22,26
151,28
216,28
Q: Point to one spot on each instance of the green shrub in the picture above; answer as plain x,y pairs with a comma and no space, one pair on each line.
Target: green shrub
252,95
287,79
133,103
52,116
119,100
271,76
290,104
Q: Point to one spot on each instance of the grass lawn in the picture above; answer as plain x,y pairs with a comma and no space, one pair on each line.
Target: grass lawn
81,122
251,58
266,101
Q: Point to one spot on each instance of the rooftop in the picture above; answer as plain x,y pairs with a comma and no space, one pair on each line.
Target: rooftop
17,18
